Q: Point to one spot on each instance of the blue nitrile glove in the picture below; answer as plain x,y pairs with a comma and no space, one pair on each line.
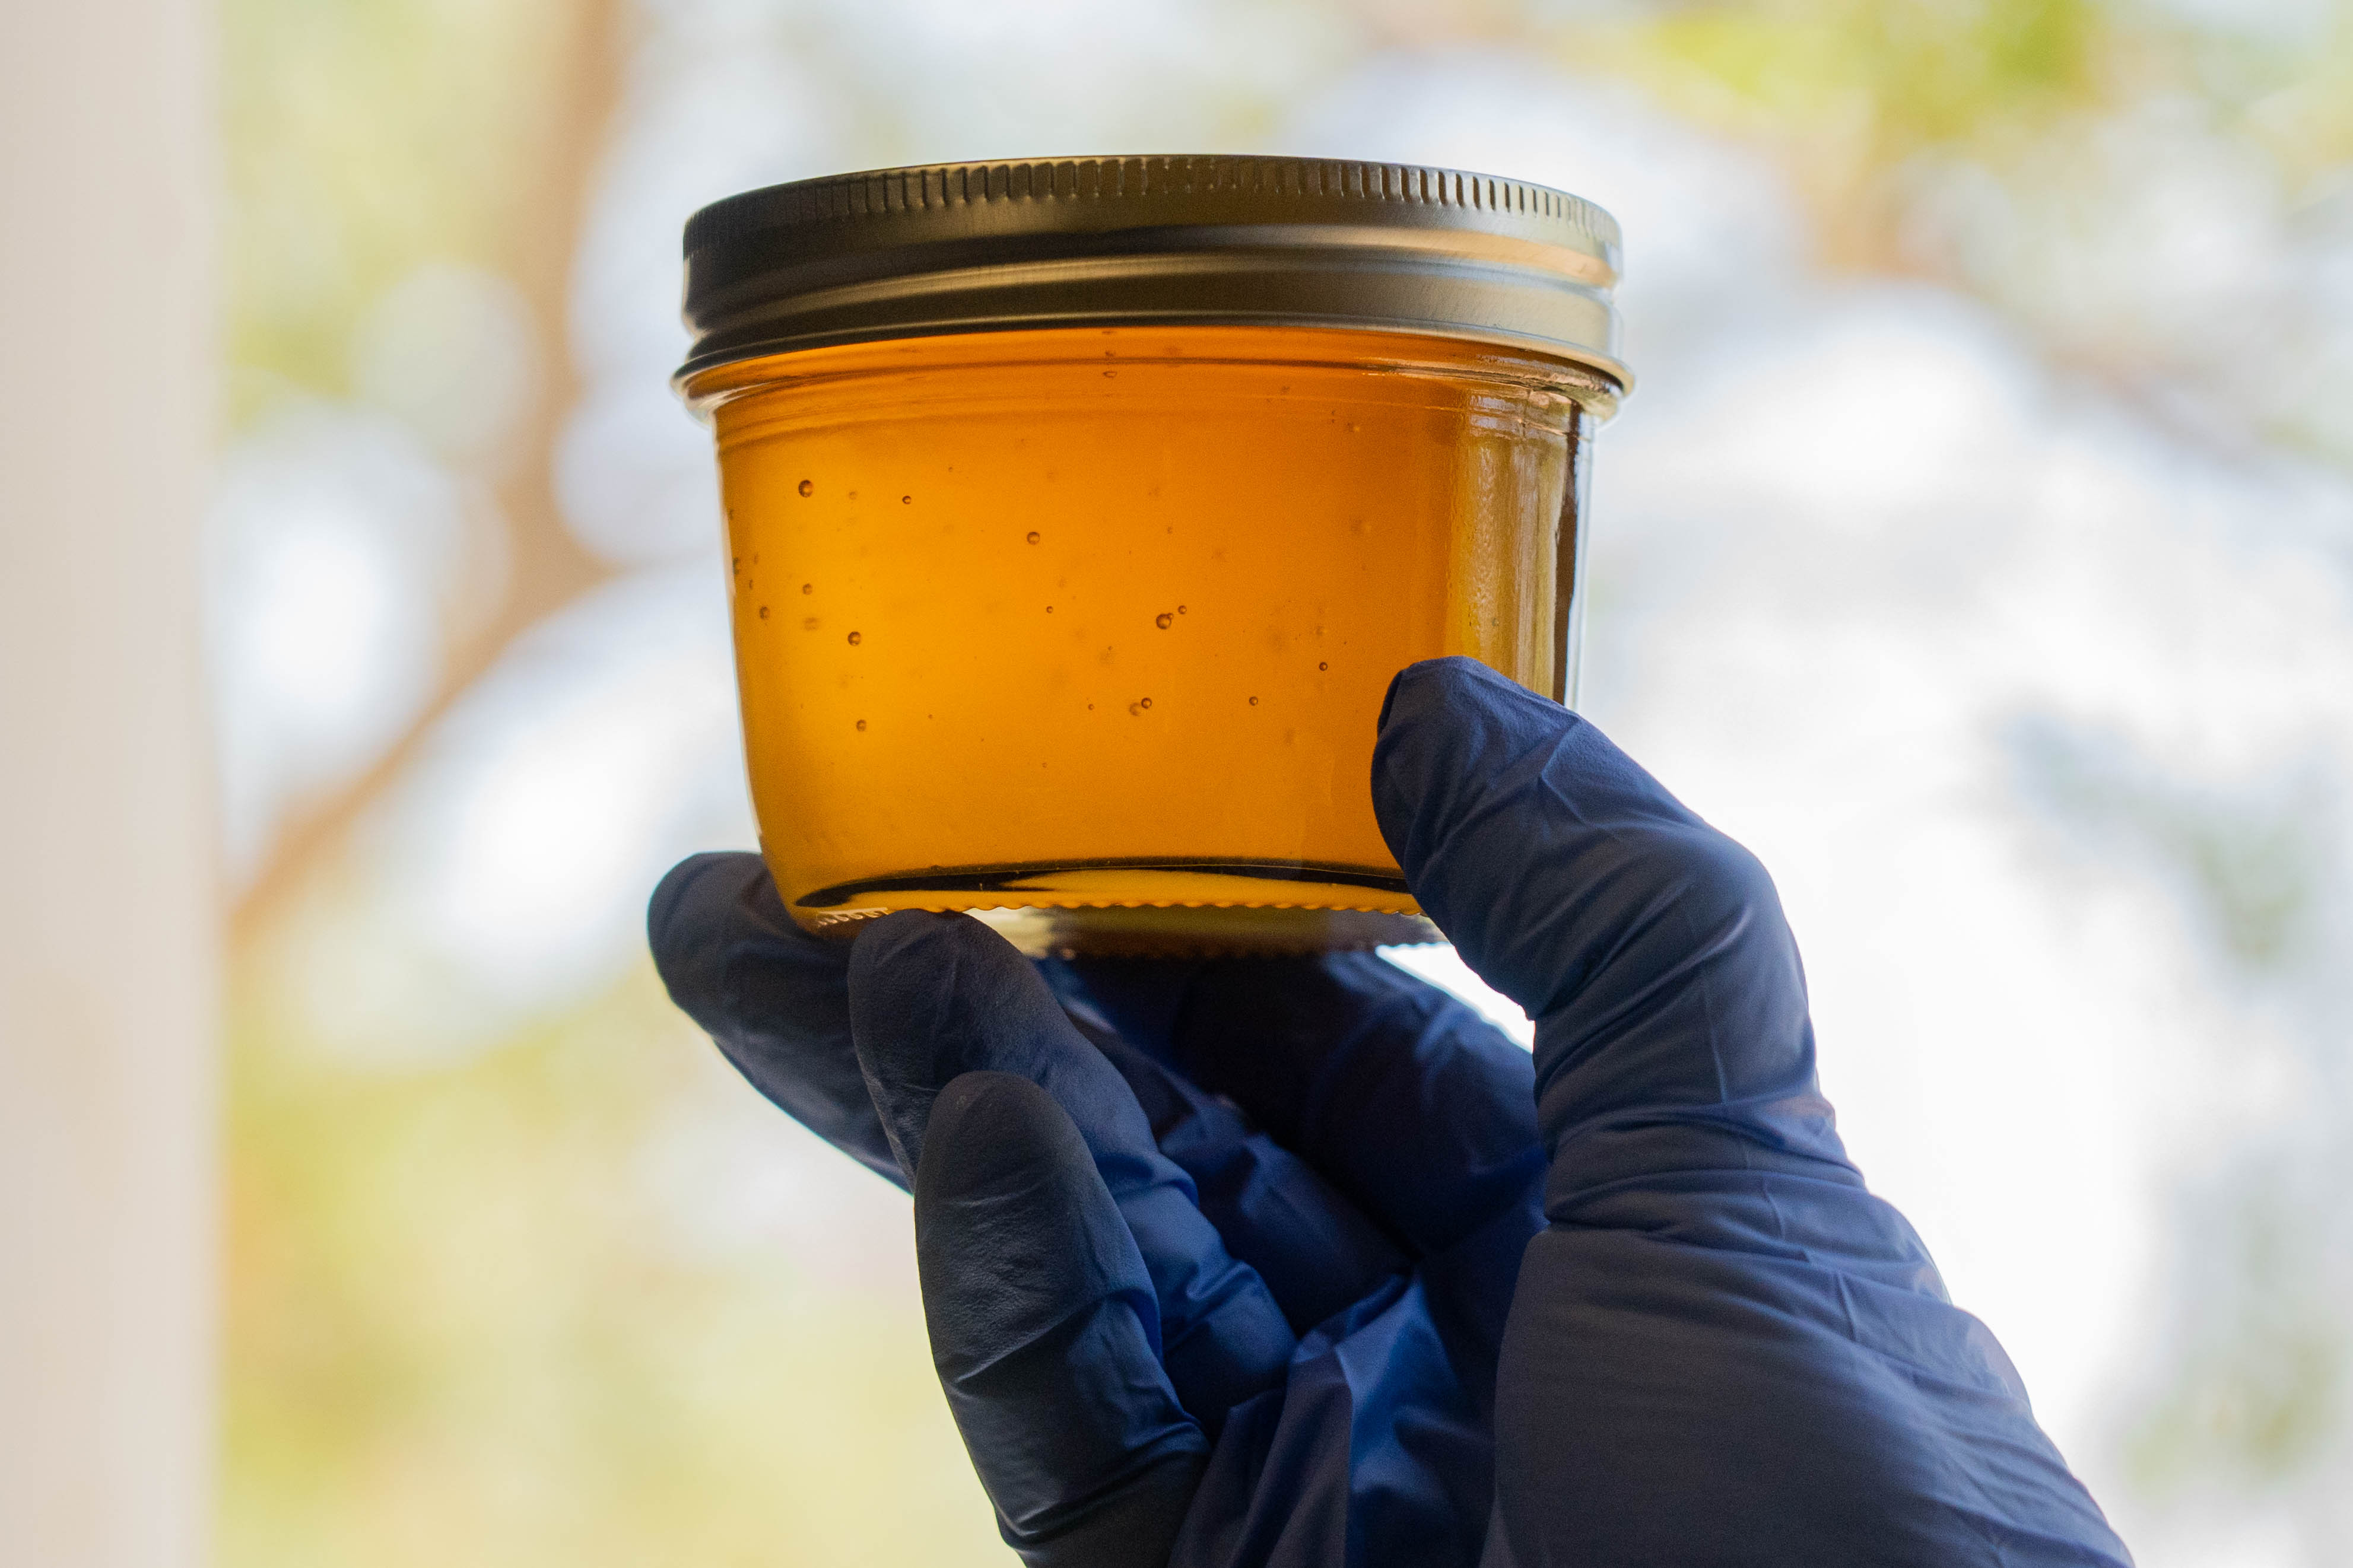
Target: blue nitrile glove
1218,1258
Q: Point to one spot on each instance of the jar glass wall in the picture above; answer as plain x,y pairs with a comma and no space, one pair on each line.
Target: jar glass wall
1087,630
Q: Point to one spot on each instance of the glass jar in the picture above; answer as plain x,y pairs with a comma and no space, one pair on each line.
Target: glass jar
1081,619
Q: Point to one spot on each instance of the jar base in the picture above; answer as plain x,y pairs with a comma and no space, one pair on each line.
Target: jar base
1139,908
1180,933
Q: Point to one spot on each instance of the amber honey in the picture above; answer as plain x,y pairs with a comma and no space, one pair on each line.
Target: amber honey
1090,629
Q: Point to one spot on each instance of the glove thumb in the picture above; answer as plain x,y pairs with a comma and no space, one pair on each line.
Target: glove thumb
1037,1300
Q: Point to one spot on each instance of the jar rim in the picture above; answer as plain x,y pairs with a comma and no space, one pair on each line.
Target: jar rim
1190,344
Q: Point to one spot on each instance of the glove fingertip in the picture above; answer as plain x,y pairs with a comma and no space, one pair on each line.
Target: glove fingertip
687,919
992,1131
1441,718
1413,682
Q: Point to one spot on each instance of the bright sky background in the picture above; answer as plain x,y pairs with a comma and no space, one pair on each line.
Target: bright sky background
2032,686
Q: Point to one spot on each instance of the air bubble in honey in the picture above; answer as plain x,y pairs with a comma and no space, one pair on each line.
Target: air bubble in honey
1163,620
808,489
855,639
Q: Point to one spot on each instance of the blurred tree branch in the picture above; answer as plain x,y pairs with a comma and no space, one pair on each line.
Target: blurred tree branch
547,567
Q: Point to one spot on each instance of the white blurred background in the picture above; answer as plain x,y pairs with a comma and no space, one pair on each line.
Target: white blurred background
1977,548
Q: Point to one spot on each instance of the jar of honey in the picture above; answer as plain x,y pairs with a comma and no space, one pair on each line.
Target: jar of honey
1080,513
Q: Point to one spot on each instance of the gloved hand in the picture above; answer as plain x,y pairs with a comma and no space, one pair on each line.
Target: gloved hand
1299,1264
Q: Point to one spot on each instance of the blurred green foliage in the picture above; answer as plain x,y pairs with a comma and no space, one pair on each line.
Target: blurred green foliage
460,1332
455,1331
1855,91
1908,74
364,138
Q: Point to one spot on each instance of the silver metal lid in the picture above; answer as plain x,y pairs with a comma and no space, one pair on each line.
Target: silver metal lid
1094,242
